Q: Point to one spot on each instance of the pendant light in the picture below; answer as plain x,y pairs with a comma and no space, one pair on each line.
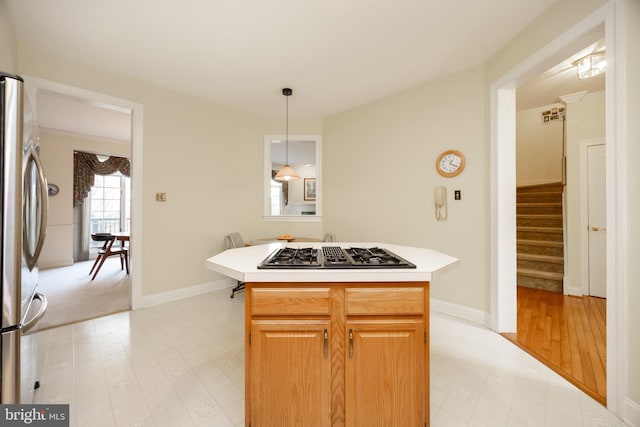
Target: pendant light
286,173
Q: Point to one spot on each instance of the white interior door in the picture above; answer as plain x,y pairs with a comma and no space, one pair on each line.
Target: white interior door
597,212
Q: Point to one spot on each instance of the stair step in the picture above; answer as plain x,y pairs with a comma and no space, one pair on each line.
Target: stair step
540,247
541,229
539,220
539,233
549,275
541,258
539,208
542,263
538,205
540,280
539,198
545,243
552,187
543,216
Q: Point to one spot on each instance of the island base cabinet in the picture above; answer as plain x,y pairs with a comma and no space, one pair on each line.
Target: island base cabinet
385,373
337,354
290,373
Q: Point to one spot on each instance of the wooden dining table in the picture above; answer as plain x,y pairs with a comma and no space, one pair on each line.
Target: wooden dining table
266,240
108,249
123,236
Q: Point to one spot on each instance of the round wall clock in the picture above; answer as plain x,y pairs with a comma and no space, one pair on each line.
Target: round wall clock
450,163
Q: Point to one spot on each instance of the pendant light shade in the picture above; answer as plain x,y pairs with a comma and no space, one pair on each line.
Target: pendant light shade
286,173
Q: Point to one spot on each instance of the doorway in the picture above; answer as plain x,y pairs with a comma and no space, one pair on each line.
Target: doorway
503,292
135,118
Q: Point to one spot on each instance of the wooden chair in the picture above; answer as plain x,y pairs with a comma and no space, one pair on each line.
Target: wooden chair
108,249
231,241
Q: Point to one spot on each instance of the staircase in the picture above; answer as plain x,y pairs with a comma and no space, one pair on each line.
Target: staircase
539,237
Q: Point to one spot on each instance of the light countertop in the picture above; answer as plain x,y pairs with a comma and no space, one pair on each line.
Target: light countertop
241,264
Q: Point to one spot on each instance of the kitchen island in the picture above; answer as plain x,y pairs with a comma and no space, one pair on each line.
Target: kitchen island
335,347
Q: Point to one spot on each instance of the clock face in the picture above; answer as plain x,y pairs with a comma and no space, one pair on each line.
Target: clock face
450,163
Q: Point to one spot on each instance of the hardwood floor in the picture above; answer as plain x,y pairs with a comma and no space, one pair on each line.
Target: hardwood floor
566,333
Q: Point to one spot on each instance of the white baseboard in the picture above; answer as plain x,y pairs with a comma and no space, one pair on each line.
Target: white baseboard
192,291
576,292
631,413
57,263
461,311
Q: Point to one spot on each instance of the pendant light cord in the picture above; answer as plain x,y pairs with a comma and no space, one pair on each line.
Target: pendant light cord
287,134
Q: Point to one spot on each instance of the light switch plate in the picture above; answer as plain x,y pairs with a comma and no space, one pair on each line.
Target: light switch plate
161,197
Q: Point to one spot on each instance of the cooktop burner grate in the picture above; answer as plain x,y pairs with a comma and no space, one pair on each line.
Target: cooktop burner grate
334,257
301,257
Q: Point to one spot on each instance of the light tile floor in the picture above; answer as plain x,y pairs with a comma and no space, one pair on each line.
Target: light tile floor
181,364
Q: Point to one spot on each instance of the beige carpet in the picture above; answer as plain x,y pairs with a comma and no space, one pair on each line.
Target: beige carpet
73,297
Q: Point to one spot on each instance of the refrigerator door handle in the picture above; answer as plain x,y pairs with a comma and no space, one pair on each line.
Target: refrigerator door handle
30,324
43,199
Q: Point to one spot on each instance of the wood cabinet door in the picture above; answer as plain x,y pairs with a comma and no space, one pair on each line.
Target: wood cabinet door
290,373
385,373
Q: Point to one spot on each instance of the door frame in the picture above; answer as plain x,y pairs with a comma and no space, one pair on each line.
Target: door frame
584,212
136,110
503,297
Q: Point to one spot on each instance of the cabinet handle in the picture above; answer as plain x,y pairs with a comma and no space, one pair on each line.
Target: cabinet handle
326,344
350,342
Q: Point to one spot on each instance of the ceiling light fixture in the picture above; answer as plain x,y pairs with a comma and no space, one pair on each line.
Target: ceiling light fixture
591,65
286,173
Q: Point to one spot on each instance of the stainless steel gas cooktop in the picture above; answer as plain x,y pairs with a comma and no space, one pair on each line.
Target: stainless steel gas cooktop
334,257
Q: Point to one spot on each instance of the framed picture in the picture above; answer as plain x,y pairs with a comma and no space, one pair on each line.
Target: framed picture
309,188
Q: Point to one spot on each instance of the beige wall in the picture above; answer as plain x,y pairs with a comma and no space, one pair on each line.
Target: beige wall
56,153
538,147
7,42
380,177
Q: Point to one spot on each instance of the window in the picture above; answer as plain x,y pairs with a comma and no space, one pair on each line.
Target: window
110,203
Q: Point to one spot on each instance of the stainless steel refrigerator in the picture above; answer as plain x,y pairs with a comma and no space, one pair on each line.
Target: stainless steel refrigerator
24,222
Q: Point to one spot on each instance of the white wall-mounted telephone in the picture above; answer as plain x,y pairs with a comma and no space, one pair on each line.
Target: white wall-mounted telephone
441,202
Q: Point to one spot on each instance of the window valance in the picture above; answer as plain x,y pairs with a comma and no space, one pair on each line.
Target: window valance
87,165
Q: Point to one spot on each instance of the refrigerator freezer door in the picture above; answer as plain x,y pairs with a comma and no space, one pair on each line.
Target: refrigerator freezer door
23,204
11,183
10,392
29,349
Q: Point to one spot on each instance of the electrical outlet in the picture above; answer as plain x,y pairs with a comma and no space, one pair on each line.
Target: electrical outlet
161,197
457,195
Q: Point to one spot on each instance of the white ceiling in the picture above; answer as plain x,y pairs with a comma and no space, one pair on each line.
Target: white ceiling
562,79
55,111
335,54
